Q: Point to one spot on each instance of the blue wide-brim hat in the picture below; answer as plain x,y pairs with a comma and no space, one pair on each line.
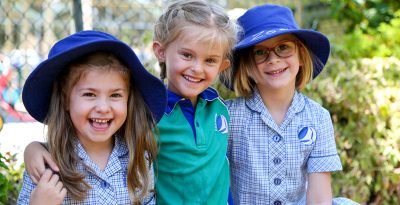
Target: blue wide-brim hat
267,21
38,86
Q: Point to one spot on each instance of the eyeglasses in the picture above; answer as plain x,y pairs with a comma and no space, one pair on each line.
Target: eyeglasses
283,49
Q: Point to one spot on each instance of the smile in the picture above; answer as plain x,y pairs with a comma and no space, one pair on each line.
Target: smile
191,79
99,120
100,123
277,71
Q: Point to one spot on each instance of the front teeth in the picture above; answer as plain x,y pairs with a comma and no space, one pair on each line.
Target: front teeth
191,79
100,121
278,71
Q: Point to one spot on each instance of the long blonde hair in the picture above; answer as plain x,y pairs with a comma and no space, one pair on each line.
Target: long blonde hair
136,131
183,13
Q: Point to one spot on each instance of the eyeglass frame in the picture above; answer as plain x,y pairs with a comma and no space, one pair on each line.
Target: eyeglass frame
295,41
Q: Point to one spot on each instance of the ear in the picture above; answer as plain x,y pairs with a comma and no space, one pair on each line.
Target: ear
224,65
159,51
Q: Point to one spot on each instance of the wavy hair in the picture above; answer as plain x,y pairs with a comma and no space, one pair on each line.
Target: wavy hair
136,130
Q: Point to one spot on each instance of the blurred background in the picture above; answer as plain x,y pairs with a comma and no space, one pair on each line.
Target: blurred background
360,85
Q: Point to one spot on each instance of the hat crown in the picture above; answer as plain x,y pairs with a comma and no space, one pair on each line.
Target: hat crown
79,39
267,18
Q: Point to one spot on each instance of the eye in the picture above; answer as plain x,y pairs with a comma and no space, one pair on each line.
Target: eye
116,95
211,60
260,52
88,94
187,55
284,47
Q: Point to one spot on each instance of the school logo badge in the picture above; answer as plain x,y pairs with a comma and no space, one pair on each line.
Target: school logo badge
221,124
307,135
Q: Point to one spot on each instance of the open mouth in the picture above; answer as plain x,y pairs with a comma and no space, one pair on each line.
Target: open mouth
100,123
191,79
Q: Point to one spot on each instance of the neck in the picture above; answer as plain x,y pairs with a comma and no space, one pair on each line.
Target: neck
277,102
99,152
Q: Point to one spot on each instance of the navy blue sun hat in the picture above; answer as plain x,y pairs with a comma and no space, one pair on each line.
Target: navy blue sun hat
38,86
267,21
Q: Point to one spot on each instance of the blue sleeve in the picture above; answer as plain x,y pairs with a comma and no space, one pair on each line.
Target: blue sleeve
324,156
26,190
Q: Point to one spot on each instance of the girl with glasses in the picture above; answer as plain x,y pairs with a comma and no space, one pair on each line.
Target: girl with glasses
282,146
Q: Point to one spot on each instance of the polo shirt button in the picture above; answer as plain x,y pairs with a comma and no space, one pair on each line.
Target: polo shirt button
277,181
276,138
197,124
104,184
277,160
277,202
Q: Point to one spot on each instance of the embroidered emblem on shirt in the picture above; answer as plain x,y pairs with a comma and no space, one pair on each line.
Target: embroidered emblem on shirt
307,135
221,124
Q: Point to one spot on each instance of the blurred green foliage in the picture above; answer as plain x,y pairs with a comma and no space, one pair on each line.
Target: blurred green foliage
363,14
383,41
361,87
363,98
10,178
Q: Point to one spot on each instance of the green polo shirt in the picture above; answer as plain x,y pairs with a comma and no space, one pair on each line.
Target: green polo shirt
191,167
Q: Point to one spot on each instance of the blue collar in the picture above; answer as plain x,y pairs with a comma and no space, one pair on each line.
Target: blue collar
209,94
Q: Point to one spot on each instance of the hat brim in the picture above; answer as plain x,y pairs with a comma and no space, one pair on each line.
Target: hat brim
315,41
38,86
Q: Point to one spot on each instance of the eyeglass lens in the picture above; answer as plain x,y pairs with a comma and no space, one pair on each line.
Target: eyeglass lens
283,49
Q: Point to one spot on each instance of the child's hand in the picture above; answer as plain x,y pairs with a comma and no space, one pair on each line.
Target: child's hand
49,190
35,158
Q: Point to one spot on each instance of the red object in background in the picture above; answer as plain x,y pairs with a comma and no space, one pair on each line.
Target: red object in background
7,110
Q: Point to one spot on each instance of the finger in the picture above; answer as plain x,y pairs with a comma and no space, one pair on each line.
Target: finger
49,160
46,176
63,192
34,179
59,186
39,167
36,174
54,179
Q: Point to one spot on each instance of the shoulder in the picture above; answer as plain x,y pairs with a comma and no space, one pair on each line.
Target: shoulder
235,103
314,107
316,113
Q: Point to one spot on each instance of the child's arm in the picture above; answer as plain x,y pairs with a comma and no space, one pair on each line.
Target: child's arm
319,189
35,158
49,190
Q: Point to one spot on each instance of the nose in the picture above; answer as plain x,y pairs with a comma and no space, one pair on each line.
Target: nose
102,105
196,67
273,57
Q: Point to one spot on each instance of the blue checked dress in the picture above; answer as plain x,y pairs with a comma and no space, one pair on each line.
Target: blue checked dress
269,163
109,186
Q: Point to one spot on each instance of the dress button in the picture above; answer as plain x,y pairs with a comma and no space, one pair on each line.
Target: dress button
277,160
104,184
277,202
277,181
276,138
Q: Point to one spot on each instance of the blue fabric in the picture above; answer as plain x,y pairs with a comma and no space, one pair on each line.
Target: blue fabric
267,21
186,105
108,186
230,198
39,84
270,162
